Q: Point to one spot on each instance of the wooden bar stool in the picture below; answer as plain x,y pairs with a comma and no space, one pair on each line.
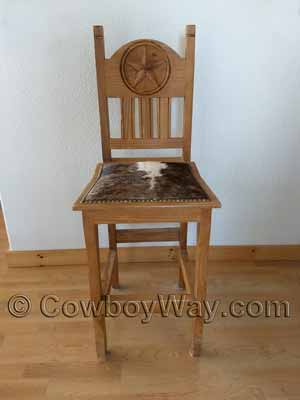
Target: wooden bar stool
145,190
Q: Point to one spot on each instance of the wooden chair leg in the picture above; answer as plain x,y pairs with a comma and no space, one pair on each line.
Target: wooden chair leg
112,234
183,246
203,236
92,247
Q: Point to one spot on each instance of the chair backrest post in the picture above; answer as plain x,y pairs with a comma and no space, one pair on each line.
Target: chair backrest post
189,89
102,99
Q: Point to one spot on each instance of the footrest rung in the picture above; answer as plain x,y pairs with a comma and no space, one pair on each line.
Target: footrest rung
158,303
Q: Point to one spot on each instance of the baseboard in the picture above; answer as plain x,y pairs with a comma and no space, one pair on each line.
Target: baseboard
35,258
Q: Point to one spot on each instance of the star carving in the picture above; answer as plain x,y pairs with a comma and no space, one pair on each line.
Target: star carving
145,68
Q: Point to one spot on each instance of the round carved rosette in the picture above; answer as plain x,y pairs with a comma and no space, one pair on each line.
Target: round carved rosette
145,67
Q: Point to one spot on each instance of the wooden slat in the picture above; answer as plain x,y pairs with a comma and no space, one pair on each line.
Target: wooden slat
164,118
147,235
173,143
145,117
135,159
148,296
128,117
108,278
183,259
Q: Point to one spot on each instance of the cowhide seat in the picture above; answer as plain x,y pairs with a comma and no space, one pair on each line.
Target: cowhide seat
145,181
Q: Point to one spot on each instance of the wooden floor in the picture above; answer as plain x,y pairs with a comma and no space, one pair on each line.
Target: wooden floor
243,358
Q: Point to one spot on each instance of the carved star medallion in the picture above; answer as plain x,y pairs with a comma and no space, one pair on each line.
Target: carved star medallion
145,67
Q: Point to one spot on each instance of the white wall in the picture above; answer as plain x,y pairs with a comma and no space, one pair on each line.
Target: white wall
246,132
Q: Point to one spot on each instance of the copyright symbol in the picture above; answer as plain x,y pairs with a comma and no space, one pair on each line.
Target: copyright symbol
19,305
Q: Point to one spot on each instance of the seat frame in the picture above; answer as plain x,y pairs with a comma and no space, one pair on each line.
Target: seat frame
101,279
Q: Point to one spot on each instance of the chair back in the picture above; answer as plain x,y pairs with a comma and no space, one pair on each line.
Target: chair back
145,75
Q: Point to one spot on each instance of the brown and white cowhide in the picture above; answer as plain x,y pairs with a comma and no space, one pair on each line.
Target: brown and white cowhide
146,181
